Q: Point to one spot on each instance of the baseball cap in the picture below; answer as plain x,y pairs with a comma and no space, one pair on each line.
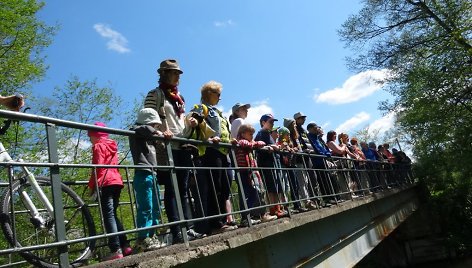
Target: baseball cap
239,105
268,117
311,125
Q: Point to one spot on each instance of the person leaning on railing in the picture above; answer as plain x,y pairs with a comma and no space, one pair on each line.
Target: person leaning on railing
167,100
214,185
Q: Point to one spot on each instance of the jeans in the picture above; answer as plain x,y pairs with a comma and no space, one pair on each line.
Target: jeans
147,201
109,200
253,199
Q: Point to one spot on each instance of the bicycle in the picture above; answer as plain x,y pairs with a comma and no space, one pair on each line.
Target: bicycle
26,208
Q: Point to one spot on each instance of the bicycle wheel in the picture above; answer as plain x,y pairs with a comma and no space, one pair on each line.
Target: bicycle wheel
29,232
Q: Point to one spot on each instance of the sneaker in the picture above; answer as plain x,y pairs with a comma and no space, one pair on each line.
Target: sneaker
281,213
224,228
177,238
114,256
245,223
192,234
267,217
159,241
146,244
326,205
301,210
310,205
127,251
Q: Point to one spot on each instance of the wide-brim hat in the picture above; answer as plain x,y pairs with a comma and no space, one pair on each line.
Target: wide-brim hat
239,105
169,64
298,115
288,122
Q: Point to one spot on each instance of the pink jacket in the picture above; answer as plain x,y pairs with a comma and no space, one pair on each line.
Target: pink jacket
105,152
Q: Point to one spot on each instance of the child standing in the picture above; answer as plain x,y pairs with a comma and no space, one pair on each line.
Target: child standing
250,178
109,183
143,150
288,165
266,159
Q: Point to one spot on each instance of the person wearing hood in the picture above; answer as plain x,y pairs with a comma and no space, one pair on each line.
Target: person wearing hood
143,149
108,182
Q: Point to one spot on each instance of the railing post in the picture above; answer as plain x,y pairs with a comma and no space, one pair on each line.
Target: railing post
57,195
180,208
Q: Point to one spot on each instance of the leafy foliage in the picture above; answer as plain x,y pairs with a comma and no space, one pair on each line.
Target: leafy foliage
22,39
427,46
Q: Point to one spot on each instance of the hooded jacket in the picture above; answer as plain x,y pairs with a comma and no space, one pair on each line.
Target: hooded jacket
105,152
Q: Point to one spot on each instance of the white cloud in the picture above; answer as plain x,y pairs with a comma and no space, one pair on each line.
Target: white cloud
383,124
353,122
116,41
257,110
354,88
225,23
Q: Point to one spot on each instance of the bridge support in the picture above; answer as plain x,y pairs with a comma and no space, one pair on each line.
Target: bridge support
334,237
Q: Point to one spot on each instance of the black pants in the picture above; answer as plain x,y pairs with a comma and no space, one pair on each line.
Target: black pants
182,158
213,189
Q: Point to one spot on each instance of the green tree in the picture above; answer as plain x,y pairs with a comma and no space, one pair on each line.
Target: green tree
22,39
426,44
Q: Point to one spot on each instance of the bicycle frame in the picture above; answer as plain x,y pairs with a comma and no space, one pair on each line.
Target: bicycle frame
33,211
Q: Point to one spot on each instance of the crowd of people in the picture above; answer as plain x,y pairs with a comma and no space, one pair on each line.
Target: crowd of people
277,171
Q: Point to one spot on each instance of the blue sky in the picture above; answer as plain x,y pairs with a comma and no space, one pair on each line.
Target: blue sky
281,57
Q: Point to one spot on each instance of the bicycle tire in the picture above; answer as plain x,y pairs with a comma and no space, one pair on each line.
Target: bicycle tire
78,253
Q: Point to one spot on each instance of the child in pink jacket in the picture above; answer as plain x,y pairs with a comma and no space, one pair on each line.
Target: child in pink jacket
109,184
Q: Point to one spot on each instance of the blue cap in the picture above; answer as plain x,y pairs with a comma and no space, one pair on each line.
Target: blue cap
268,117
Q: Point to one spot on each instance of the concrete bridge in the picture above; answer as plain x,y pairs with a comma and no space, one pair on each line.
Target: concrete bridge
339,236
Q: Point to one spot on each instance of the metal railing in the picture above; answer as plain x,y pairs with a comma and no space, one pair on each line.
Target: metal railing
304,179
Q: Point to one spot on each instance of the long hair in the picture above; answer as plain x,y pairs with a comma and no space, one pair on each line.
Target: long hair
331,136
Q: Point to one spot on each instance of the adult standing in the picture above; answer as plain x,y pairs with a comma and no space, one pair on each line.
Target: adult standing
170,104
239,115
213,184
313,184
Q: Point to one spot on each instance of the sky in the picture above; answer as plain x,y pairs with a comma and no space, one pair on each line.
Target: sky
282,57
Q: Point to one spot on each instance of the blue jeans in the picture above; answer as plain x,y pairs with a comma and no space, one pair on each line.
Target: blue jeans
109,200
253,199
147,202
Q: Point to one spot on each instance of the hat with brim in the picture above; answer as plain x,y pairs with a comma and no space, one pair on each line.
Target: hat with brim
169,64
239,105
298,115
288,122
268,117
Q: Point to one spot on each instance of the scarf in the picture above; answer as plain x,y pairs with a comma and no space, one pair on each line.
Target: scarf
172,95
